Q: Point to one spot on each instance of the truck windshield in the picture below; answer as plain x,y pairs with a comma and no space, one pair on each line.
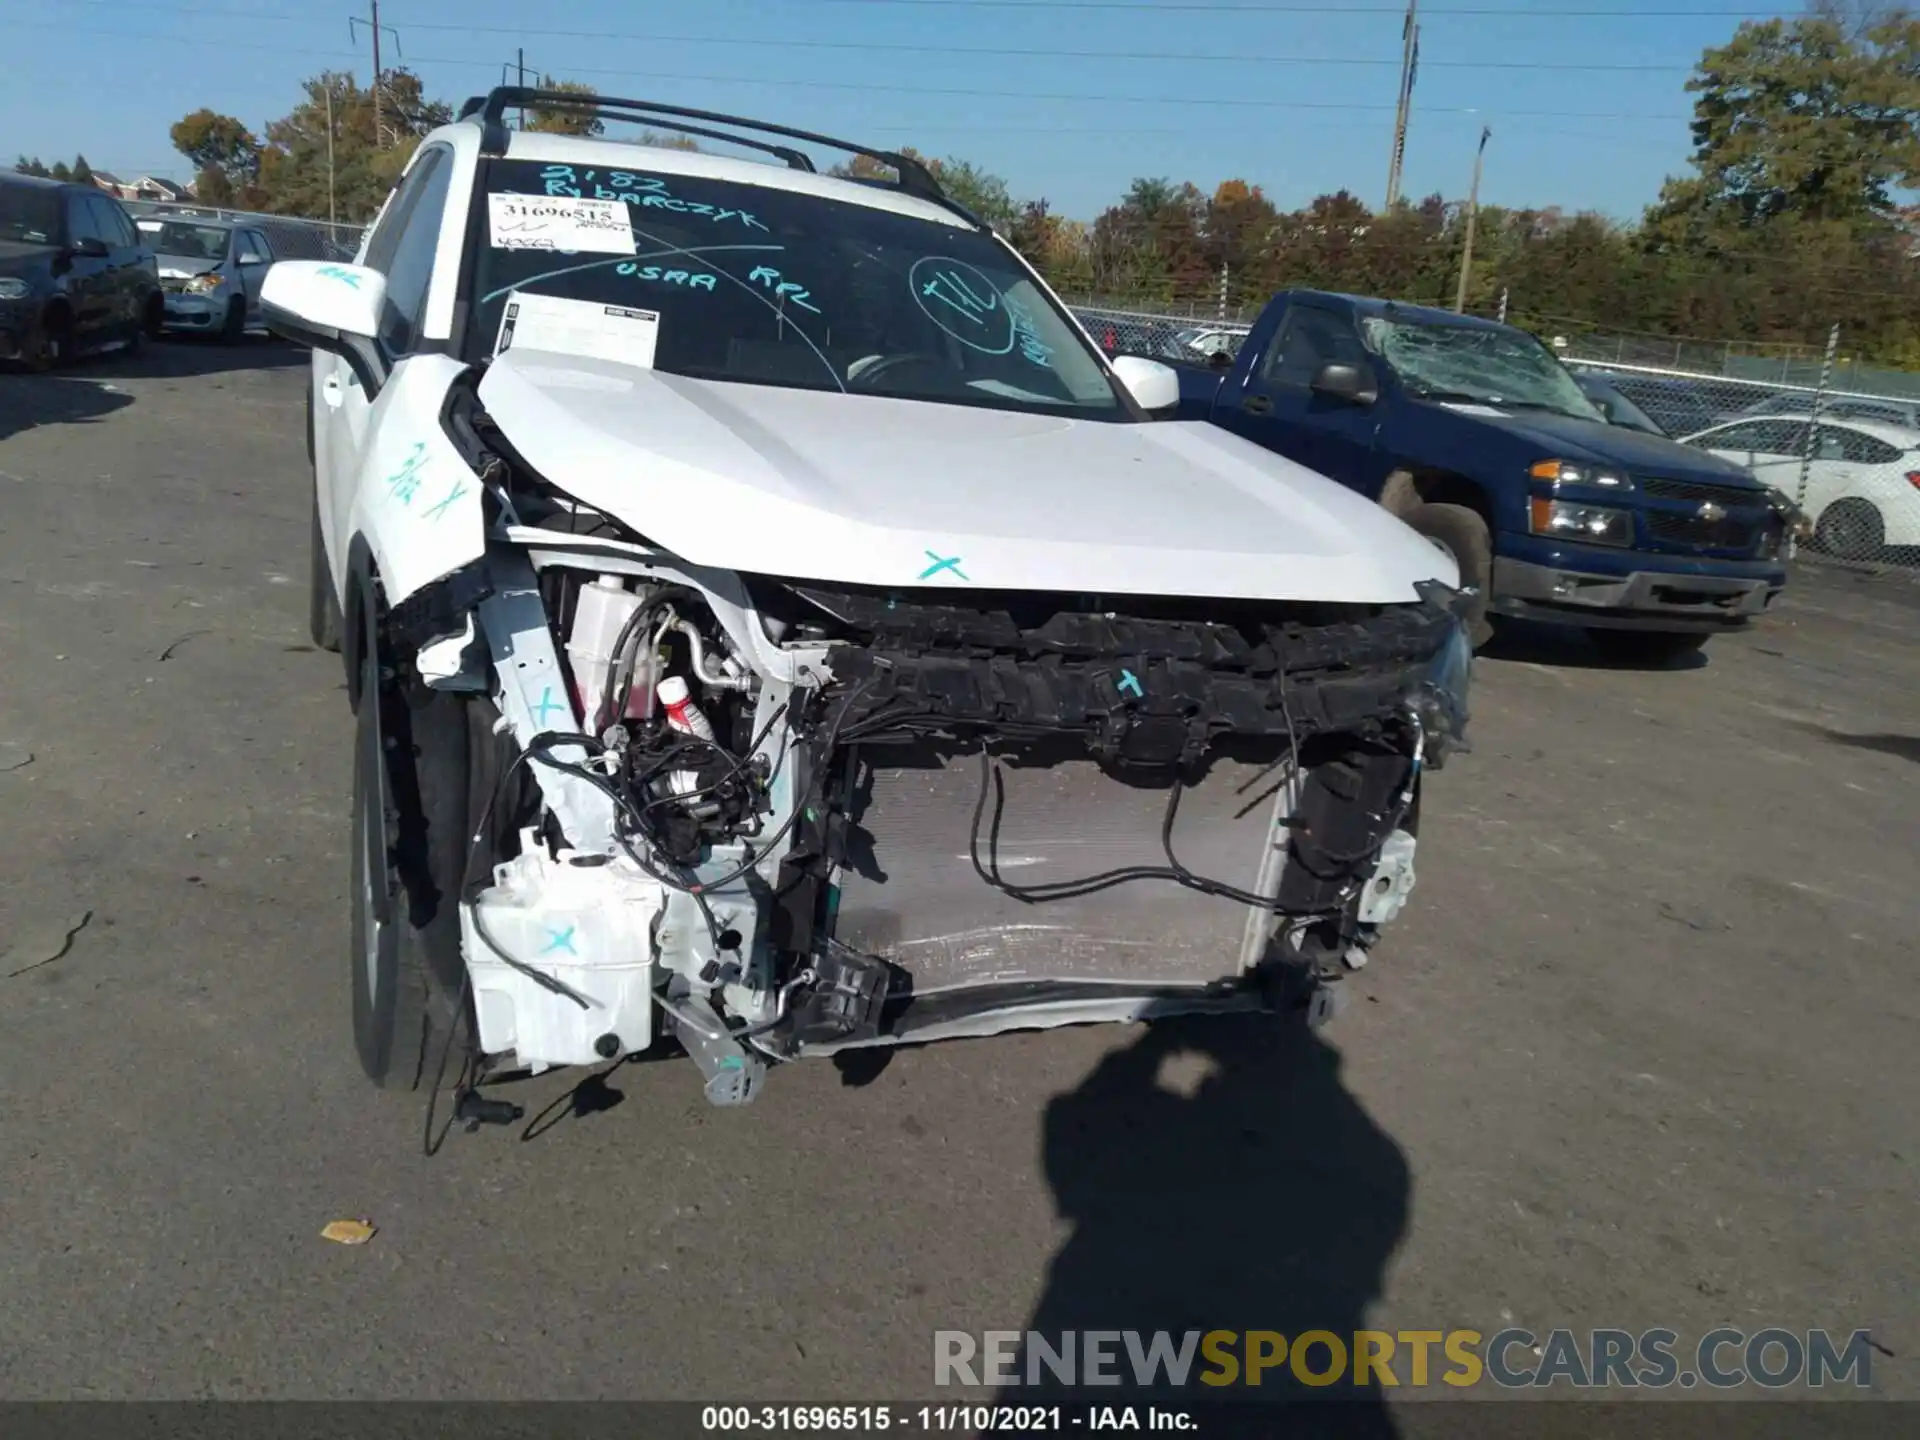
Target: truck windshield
766,286
1493,367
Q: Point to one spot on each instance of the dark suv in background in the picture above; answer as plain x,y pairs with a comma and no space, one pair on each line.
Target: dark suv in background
74,274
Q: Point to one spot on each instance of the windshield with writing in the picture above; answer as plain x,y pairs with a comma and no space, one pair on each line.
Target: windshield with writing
29,214
1491,367
769,287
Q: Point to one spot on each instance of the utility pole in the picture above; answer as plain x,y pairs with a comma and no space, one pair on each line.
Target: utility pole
1473,218
353,30
520,57
331,217
376,72
1409,67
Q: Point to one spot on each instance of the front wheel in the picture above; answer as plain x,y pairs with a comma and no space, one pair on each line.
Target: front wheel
56,342
1646,647
410,799
234,330
1462,534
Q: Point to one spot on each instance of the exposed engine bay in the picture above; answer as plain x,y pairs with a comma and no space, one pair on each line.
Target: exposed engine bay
767,818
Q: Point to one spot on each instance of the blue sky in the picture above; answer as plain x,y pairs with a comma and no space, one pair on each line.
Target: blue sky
1098,93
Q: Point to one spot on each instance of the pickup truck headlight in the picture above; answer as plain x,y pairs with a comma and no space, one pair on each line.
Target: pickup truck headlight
1573,472
1590,524
205,284
12,289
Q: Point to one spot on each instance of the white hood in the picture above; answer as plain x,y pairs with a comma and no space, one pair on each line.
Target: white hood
872,491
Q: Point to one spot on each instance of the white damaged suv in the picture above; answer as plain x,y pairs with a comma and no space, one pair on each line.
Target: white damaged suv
774,627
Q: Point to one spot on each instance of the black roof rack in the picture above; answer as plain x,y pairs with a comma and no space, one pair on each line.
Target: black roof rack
915,177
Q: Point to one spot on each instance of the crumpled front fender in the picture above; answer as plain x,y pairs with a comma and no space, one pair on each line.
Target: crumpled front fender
417,503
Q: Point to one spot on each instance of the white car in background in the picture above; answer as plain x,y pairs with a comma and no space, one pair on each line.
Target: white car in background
1863,481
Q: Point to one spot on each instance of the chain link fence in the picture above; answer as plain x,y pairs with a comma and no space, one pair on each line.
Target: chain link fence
292,238
1192,338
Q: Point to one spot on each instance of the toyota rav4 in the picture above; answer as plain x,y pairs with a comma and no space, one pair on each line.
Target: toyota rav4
773,627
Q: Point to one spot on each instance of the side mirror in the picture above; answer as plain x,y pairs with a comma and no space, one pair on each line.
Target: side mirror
1345,382
331,307
1155,387
91,248
249,257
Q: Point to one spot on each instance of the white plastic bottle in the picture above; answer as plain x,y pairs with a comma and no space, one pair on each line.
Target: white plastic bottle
601,608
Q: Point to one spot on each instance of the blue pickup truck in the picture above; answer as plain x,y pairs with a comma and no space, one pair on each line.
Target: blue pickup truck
1477,436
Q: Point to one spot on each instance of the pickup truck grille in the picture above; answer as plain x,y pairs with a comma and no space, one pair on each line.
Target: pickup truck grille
1731,497
1728,532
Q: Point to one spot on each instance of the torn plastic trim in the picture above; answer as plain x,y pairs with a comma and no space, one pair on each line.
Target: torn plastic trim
532,694
804,666
441,609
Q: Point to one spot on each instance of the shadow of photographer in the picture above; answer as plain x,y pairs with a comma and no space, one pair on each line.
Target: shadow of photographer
1259,1197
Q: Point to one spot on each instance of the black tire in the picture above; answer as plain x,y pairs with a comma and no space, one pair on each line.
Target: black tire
1646,647
234,330
410,806
324,619
1463,535
1852,529
56,341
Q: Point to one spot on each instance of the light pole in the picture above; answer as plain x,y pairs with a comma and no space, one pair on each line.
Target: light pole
1473,219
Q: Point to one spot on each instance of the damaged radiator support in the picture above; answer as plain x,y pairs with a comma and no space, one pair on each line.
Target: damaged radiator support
1088,719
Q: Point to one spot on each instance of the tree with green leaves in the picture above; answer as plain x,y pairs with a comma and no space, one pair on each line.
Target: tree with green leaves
224,153
295,175
559,120
1798,117
82,173
24,166
60,171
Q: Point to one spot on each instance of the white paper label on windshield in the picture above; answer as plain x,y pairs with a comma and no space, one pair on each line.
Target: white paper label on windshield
583,328
560,222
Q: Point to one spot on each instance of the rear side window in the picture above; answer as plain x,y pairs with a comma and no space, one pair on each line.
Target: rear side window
1837,443
83,223
115,228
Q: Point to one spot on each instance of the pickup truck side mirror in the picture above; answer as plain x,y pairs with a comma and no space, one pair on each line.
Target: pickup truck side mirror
1345,382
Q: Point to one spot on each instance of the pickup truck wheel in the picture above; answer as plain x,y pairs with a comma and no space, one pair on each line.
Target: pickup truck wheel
323,606
1646,647
410,803
1463,535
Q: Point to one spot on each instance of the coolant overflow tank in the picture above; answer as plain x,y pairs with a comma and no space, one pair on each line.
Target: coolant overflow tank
589,927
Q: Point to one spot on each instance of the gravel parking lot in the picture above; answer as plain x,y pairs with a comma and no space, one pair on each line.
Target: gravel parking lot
1640,1053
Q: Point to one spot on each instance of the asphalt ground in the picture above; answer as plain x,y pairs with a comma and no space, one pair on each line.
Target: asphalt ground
1640,1052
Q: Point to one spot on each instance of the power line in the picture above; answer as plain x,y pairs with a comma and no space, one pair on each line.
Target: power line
1337,106
918,48
1264,7
1206,7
